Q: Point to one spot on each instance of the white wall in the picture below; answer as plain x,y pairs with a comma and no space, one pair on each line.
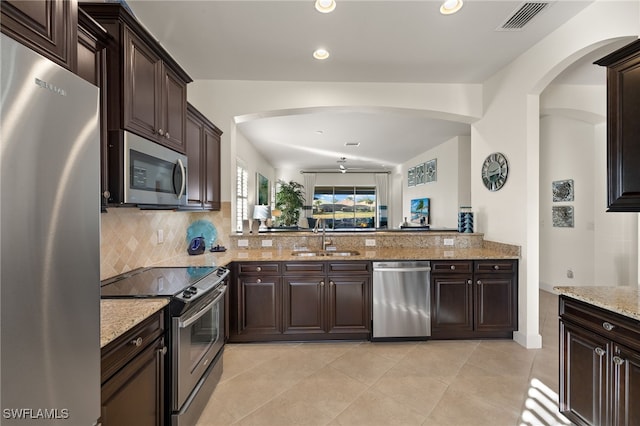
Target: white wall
452,187
510,124
254,163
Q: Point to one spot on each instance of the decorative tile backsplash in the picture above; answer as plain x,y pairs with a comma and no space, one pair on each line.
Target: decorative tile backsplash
129,236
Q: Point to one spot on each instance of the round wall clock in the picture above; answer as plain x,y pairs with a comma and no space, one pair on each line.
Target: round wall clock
494,171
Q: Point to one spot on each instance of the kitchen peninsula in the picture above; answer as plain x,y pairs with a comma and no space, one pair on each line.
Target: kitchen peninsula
600,354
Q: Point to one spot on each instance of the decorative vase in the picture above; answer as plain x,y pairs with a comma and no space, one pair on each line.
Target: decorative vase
465,220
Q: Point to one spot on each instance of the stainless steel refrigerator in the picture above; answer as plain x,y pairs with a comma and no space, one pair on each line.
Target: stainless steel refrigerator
50,242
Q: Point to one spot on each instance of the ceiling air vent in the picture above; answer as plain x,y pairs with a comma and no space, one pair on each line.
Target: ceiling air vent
523,15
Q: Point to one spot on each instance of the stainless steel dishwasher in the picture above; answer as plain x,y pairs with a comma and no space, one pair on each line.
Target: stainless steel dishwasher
401,300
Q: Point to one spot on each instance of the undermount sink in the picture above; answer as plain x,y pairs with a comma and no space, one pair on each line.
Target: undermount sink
325,253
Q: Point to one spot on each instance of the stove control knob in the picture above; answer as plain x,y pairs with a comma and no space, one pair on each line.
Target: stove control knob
193,289
187,294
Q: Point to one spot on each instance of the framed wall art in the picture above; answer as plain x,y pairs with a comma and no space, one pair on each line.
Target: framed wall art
562,190
420,174
411,177
431,171
420,211
262,187
562,216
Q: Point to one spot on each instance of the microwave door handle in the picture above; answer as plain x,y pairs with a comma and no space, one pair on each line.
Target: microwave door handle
187,322
183,180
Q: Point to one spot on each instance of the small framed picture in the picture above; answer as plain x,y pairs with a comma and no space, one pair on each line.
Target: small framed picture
562,190
562,216
420,174
411,177
431,170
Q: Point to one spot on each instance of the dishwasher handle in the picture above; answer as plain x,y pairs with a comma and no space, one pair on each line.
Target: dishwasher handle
402,269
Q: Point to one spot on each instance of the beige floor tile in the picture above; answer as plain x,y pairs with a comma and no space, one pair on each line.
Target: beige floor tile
461,409
373,408
391,350
363,365
418,392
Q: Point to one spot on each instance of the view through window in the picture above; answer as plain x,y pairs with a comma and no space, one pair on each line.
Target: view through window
345,207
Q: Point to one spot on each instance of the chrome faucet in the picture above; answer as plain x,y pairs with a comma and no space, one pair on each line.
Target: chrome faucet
325,243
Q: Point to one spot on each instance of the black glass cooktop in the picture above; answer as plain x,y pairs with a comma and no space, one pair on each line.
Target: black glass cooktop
154,282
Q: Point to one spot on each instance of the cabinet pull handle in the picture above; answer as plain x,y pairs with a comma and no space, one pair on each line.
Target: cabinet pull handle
258,280
453,267
258,269
617,360
608,326
496,267
137,342
321,283
599,351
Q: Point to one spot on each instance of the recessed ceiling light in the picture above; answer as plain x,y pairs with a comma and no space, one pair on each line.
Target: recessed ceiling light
450,7
319,132
321,54
325,6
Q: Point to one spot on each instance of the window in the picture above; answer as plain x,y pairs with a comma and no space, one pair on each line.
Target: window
345,206
242,194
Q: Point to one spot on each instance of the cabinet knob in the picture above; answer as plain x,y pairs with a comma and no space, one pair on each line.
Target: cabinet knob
258,280
167,135
161,132
258,269
496,267
608,326
453,267
479,282
469,282
106,194
332,283
163,351
599,351
617,360
321,283
137,342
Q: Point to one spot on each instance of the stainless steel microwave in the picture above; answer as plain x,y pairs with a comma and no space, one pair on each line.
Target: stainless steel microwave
153,174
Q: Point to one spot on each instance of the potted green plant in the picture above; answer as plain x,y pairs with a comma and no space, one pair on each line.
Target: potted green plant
289,200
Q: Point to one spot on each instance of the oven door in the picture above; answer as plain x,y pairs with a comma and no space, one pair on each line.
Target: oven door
198,336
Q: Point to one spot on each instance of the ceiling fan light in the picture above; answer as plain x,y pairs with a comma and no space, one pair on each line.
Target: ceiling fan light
450,7
321,54
325,6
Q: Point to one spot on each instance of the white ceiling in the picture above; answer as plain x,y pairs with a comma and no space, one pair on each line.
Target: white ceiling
369,40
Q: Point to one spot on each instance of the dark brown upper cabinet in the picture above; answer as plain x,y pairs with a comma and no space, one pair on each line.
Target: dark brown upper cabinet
47,26
623,128
203,154
147,89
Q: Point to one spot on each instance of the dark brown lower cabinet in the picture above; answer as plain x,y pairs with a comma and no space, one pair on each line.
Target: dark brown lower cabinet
132,372
474,299
306,301
599,365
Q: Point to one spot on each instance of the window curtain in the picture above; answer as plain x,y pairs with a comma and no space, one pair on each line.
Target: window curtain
382,195
309,189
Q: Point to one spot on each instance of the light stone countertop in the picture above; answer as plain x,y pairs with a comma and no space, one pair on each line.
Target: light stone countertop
622,300
120,315
366,253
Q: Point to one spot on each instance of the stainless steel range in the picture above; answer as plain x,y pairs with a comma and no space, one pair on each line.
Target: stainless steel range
197,325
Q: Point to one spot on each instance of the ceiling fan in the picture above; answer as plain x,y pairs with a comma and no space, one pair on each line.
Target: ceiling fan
342,161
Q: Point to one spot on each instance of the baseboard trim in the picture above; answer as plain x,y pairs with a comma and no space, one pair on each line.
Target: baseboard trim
528,341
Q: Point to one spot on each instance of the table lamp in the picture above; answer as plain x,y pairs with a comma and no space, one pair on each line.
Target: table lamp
262,213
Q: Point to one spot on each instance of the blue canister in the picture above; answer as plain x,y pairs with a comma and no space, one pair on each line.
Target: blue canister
465,220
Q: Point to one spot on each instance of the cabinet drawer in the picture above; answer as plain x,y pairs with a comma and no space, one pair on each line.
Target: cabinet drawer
452,266
293,268
495,266
349,267
259,268
606,323
119,352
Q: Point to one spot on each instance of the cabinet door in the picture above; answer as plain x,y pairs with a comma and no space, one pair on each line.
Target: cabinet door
212,169
47,26
194,166
260,305
451,305
348,307
304,304
584,375
626,387
173,109
495,304
141,88
135,395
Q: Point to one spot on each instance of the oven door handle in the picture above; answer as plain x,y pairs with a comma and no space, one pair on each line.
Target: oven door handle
195,317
